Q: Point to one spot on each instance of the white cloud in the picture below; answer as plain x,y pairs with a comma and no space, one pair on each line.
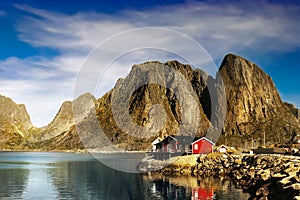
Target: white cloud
38,84
210,24
42,99
29,68
220,28
80,32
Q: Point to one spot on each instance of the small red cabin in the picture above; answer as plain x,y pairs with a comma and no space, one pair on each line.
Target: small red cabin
202,146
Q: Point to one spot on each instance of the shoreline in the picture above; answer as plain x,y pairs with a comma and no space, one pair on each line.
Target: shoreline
74,151
262,176
44,151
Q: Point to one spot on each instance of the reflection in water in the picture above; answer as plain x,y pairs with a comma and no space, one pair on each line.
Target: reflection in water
39,185
74,176
12,183
188,187
92,180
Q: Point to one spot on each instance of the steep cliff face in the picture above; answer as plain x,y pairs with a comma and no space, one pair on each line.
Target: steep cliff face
15,123
254,106
61,133
61,123
170,85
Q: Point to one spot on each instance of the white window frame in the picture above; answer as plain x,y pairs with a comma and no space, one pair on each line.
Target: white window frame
196,147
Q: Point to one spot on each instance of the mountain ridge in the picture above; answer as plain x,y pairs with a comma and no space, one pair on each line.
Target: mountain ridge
15,123
255,104
253,108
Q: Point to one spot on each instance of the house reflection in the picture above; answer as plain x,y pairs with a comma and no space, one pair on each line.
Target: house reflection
202,193
180,187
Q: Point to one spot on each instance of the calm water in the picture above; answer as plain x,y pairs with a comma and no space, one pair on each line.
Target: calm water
78,176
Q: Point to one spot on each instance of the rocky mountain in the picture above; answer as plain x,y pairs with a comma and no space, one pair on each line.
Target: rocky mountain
160,99
17,132
254,107
294,110
65,118
253,110
61,133
130,116
15,123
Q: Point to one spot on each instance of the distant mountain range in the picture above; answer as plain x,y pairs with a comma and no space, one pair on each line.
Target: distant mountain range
252,108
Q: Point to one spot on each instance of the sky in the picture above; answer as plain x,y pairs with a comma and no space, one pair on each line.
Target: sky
46,43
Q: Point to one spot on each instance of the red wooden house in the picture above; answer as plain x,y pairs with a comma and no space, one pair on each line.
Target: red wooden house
173,144
202,146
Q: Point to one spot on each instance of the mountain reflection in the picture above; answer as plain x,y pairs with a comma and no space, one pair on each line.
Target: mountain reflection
72,176
12,183
93,180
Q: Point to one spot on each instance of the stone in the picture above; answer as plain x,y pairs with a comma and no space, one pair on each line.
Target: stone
278,175
285,181
265,175
262,191
297,178
296,186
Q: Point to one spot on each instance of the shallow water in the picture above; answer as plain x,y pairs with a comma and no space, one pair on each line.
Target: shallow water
37,175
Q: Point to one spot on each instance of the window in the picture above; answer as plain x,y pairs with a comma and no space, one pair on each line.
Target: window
196,146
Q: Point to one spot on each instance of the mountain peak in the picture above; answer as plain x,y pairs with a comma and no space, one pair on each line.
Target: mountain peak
15,113
254,104
235,62
14,122
254,107
68,114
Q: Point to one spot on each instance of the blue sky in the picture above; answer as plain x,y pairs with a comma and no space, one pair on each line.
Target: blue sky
44,43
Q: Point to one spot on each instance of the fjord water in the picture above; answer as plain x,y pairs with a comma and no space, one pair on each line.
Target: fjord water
38,175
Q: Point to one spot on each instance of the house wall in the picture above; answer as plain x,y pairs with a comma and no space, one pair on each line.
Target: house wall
175,147
153,147
202,147
165,148
222,150
171,145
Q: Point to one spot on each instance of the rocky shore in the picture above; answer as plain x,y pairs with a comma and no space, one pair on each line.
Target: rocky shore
262,176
